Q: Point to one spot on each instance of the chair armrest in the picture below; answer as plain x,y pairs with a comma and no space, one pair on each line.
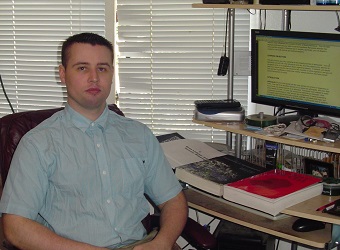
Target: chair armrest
7,246
198,236
194,233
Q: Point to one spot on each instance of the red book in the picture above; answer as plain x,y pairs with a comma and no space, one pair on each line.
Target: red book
273,191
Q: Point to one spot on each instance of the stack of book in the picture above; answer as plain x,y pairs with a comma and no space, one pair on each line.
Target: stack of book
273,191
236,180
211,175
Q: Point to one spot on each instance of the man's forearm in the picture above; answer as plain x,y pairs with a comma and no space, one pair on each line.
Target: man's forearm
174,214
30,235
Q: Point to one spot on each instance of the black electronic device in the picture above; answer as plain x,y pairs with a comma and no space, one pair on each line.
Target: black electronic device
231,236
331,187
296,70
216,1
217,104
307,225
330,135
276,2
221,1
223,66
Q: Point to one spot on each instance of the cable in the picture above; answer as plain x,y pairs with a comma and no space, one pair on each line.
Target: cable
226,33
276,112
224,60
277,245
338,19
309,121
251,13
263,19
3,89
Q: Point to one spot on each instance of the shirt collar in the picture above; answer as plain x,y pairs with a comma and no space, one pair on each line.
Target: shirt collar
82,122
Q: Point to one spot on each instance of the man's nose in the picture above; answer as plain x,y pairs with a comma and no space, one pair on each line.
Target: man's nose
93,77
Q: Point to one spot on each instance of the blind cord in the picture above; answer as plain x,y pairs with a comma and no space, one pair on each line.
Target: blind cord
226,33
3,89
224,60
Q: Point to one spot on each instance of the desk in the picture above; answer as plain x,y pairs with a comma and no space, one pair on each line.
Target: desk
279,228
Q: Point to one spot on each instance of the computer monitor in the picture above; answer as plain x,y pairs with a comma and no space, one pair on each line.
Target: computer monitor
296,70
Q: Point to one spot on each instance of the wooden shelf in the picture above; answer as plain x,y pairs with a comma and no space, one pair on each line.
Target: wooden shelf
269,7
239,128
307,209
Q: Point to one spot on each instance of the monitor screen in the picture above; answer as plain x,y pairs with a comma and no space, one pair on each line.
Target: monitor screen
296,70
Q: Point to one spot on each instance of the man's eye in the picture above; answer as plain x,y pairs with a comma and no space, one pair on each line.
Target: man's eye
81,68
102,69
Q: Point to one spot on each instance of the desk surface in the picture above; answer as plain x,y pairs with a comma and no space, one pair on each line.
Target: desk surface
280,228
307,209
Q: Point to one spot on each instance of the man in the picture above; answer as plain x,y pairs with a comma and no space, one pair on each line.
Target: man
77,180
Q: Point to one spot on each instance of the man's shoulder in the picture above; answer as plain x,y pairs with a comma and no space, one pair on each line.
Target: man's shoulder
51,123
128,126
117,118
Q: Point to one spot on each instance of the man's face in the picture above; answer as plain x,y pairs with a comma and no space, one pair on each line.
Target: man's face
87,76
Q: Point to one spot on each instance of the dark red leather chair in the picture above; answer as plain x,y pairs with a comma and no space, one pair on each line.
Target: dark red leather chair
14,126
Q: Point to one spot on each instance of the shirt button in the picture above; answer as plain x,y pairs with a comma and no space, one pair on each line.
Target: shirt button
104,172
98,145
108,201
92,124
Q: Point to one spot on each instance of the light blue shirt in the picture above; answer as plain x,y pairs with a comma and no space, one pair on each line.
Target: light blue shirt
86,180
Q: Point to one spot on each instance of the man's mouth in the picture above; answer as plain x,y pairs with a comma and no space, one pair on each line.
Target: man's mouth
93,91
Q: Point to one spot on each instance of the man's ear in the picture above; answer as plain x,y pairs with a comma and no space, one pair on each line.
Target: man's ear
62,73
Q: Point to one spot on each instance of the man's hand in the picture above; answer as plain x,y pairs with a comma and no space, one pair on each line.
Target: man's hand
151,246
154,246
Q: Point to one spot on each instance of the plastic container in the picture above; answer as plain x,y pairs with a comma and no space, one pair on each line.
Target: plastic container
327,2
322,2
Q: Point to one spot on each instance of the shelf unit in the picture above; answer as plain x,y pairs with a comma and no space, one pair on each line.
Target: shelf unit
223,211
286,10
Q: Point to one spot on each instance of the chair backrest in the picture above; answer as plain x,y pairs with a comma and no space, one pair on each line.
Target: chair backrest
14,126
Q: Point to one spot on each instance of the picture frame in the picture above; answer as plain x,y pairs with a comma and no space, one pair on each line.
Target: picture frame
319,168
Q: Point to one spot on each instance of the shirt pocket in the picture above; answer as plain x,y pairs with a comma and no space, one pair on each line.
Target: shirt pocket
132,172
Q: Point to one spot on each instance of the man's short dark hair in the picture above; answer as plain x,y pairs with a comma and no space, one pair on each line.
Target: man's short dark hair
87,38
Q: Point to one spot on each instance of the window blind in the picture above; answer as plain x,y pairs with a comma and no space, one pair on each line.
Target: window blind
168,56
31,33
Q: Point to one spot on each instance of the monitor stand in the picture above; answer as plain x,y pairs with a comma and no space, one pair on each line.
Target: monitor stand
287,119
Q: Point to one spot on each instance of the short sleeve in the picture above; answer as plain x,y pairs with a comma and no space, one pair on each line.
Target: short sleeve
27,198
161,183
